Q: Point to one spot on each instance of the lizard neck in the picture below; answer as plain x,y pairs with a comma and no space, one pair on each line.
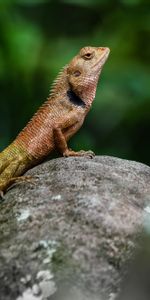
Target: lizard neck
85,92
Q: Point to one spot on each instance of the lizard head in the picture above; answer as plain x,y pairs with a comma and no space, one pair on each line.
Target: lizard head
84,70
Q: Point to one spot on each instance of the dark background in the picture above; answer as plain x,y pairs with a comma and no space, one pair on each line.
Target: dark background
38,37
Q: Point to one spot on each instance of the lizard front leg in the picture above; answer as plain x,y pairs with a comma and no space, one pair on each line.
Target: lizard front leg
61,138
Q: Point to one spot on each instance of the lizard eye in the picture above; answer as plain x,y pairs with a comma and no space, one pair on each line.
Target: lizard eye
77,73
88,55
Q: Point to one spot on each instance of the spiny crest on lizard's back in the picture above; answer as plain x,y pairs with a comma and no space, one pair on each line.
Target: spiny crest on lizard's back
59,83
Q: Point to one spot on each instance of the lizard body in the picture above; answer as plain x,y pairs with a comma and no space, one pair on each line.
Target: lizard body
58,119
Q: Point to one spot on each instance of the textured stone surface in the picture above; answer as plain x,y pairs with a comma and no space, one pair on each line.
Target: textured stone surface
73,231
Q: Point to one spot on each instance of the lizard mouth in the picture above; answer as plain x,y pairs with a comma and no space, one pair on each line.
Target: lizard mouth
102,59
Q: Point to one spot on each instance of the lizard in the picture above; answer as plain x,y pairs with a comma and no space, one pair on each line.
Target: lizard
57,120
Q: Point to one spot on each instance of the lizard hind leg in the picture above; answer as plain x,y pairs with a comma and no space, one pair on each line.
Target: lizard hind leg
8,171
14,161
4,162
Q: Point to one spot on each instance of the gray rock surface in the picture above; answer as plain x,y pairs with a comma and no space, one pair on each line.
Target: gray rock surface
72,233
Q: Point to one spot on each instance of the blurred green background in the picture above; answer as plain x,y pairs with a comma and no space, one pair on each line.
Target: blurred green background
38,37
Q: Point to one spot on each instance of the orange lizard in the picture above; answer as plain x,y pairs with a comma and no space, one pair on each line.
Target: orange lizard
58,119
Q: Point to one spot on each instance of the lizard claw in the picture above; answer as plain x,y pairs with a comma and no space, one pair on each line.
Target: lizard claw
70,152
89,153
21,179
2,195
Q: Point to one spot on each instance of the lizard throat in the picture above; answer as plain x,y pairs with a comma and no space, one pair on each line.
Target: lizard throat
74,99
88,91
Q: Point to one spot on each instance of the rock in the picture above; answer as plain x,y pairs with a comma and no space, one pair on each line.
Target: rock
74,231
